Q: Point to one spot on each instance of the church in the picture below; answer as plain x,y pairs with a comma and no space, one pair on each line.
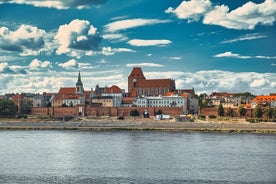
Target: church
138,85
70,96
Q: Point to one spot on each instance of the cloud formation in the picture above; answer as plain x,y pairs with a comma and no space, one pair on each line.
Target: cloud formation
77,38
37,64
79,4
245,17
72,63
131,23
144,64
233,55
252,36
27,40
111,51
207,81
142,43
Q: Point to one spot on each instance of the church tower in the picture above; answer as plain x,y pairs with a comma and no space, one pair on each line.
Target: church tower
79,86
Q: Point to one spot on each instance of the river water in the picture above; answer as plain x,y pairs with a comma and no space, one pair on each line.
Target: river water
136,157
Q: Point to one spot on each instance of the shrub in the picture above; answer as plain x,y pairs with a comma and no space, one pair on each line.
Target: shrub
134,113
212,116
201,117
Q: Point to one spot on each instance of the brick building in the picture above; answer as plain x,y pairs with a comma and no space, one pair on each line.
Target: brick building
138,85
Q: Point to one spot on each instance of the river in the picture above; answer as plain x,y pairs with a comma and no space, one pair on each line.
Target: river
56,156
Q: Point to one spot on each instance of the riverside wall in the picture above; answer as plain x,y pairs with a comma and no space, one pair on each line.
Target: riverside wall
102,111
213,110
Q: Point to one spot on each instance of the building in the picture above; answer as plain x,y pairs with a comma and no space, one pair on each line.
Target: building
70,96
264,100
138,85
171,99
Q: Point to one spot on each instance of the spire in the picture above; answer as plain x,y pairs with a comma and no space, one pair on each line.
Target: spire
79,85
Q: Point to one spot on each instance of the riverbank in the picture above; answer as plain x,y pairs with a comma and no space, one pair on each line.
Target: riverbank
103,124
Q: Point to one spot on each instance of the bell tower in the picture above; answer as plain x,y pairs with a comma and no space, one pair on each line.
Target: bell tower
133,80
79,86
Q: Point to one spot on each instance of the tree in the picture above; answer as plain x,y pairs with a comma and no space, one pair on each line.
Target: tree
7,108
241,110
159,112
220,110
257,112
230,112
134,113
268,112
64,105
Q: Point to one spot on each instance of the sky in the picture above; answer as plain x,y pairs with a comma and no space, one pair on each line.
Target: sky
208,45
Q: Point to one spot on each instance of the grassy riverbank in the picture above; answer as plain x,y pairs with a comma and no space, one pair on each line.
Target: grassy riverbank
130,123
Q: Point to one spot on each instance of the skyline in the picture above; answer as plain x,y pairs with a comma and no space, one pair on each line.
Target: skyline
202,44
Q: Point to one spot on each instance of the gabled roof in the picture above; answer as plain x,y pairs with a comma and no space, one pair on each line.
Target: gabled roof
67,90
154,83
113,89
137,73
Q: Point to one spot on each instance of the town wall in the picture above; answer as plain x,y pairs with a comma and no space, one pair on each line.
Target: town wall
213,110
103,111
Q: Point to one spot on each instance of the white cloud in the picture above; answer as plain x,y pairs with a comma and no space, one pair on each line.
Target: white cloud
245,17
57,4
27,40
252,36
5,68
111,51
36,64
116,37
131,23
173,58
144,64
72,63
77,38
191,10
142,43
233,55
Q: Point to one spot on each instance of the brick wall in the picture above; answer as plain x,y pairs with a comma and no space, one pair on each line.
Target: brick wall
213,110
103,111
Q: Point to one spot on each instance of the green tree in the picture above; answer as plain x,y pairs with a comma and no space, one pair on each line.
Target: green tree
230,112
274,112
64,105
268,112
241,110
220,110
134,113
257,112
7,108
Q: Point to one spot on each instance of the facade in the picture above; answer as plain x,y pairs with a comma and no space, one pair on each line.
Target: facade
231,100
107,101
264,100
70,96
163,101
138,85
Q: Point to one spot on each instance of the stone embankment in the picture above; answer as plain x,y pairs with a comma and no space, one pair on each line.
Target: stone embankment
138,124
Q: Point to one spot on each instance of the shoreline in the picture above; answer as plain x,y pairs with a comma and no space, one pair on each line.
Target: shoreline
112,124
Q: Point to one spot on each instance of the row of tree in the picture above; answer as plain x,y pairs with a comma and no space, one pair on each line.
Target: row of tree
258,112
7,108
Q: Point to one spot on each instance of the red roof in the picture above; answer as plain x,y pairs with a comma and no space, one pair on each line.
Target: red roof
68,90
154,83
113,89
137,73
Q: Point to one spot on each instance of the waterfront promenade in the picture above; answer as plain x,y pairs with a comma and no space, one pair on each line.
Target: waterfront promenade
138,124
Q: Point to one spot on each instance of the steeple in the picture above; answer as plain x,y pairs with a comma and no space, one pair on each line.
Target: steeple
79,86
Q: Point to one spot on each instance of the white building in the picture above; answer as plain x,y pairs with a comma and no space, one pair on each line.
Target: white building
163,101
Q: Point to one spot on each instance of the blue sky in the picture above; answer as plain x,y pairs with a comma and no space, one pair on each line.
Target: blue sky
208,45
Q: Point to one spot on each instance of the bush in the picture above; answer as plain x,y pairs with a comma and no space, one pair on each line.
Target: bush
201,117
212,116
121,118
134,113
